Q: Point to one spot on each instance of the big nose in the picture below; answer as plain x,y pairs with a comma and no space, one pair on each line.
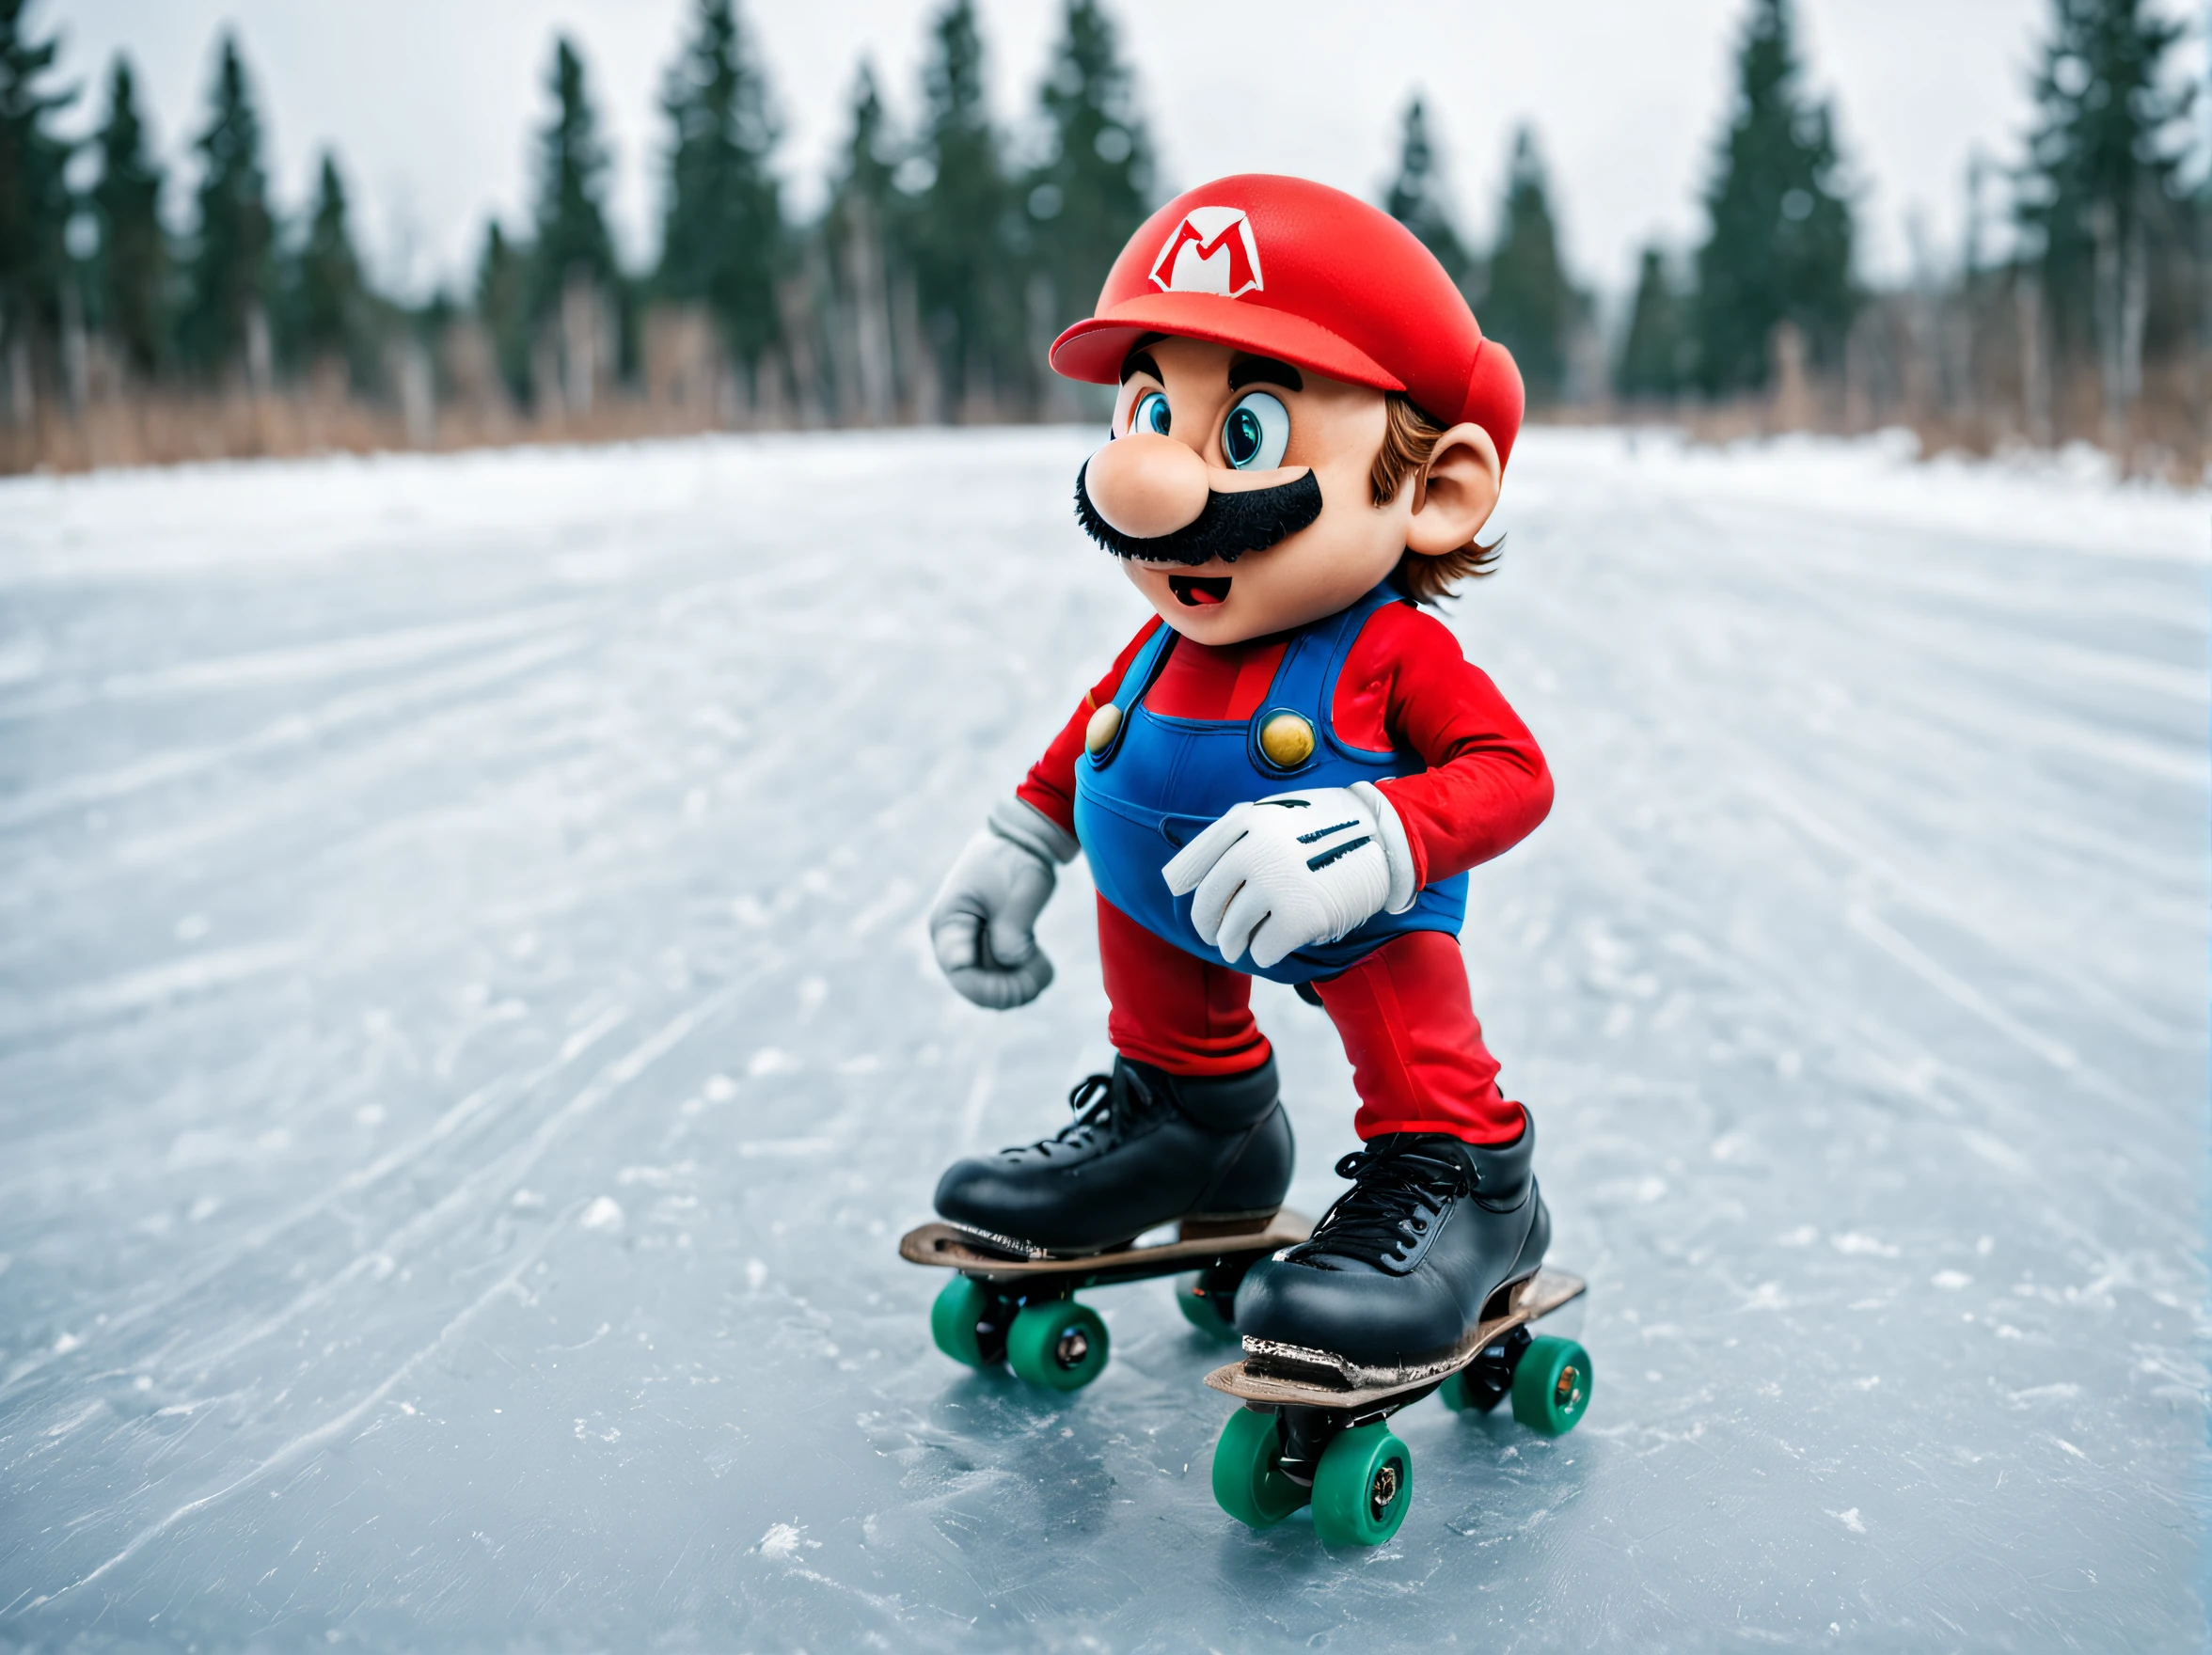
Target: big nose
1146,485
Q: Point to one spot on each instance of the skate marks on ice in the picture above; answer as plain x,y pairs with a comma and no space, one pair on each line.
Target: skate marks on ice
1890,1027
456,897
468,1049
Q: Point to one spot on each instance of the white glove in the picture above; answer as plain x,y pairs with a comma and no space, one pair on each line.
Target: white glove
1295,869
982,923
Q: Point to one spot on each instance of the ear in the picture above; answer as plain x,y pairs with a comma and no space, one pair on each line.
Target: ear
1454,495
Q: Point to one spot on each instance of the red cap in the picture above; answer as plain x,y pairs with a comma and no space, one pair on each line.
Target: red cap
1295,269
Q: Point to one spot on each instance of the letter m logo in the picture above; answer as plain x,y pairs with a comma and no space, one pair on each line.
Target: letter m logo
1210,251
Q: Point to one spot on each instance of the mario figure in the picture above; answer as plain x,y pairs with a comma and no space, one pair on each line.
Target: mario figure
1286,773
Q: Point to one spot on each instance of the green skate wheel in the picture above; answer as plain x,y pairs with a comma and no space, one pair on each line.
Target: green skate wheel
955,1320
1203,1309
1362,1487
1552,1385
1058,1344
1248,1483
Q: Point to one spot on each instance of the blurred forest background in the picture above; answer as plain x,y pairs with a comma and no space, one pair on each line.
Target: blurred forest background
146,319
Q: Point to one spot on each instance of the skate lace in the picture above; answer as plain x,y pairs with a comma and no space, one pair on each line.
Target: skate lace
1399,1188
1099,1107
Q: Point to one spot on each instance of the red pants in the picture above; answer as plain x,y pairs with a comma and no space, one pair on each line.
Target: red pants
1418,1058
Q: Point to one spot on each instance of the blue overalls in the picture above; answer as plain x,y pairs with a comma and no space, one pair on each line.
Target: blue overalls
1150,790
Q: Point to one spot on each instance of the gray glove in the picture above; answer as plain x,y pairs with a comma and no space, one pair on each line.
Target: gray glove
982,924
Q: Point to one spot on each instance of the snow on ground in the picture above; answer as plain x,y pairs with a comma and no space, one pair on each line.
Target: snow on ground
468,1049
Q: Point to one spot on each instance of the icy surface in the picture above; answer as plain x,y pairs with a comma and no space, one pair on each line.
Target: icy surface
468,1049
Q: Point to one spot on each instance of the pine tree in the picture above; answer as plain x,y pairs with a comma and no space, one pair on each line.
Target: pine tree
1529,305
1416,197
132,268
964,248
1657,355
2101,180
231,275
723,238
574,276
865,199
1779,243
866,170
1094,185
572,237
503,307
871,152
328,308
34,202
865,236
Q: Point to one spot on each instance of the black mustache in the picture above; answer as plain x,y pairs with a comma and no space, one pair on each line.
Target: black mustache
1230,526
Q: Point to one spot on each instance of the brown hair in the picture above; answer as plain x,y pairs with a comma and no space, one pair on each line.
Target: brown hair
1409,441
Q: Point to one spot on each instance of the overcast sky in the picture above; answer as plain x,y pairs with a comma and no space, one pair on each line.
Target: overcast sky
430,104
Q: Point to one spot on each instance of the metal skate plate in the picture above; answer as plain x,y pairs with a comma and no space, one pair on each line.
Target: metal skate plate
1277,1373
952,1247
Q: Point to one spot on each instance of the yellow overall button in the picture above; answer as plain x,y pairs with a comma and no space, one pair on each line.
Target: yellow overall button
1104,726
1287,741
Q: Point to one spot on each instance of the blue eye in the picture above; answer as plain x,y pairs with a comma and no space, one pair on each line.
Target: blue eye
1255,432
1151,414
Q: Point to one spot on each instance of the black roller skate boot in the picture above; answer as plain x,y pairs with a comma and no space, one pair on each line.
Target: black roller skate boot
1146,1148
1400,1269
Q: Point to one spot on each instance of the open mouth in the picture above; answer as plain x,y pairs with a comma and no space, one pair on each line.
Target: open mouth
1200,591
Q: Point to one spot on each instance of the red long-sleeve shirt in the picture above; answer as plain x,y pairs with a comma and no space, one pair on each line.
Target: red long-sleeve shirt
1405,685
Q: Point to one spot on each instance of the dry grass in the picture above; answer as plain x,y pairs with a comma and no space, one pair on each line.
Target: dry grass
170,429
2167,437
